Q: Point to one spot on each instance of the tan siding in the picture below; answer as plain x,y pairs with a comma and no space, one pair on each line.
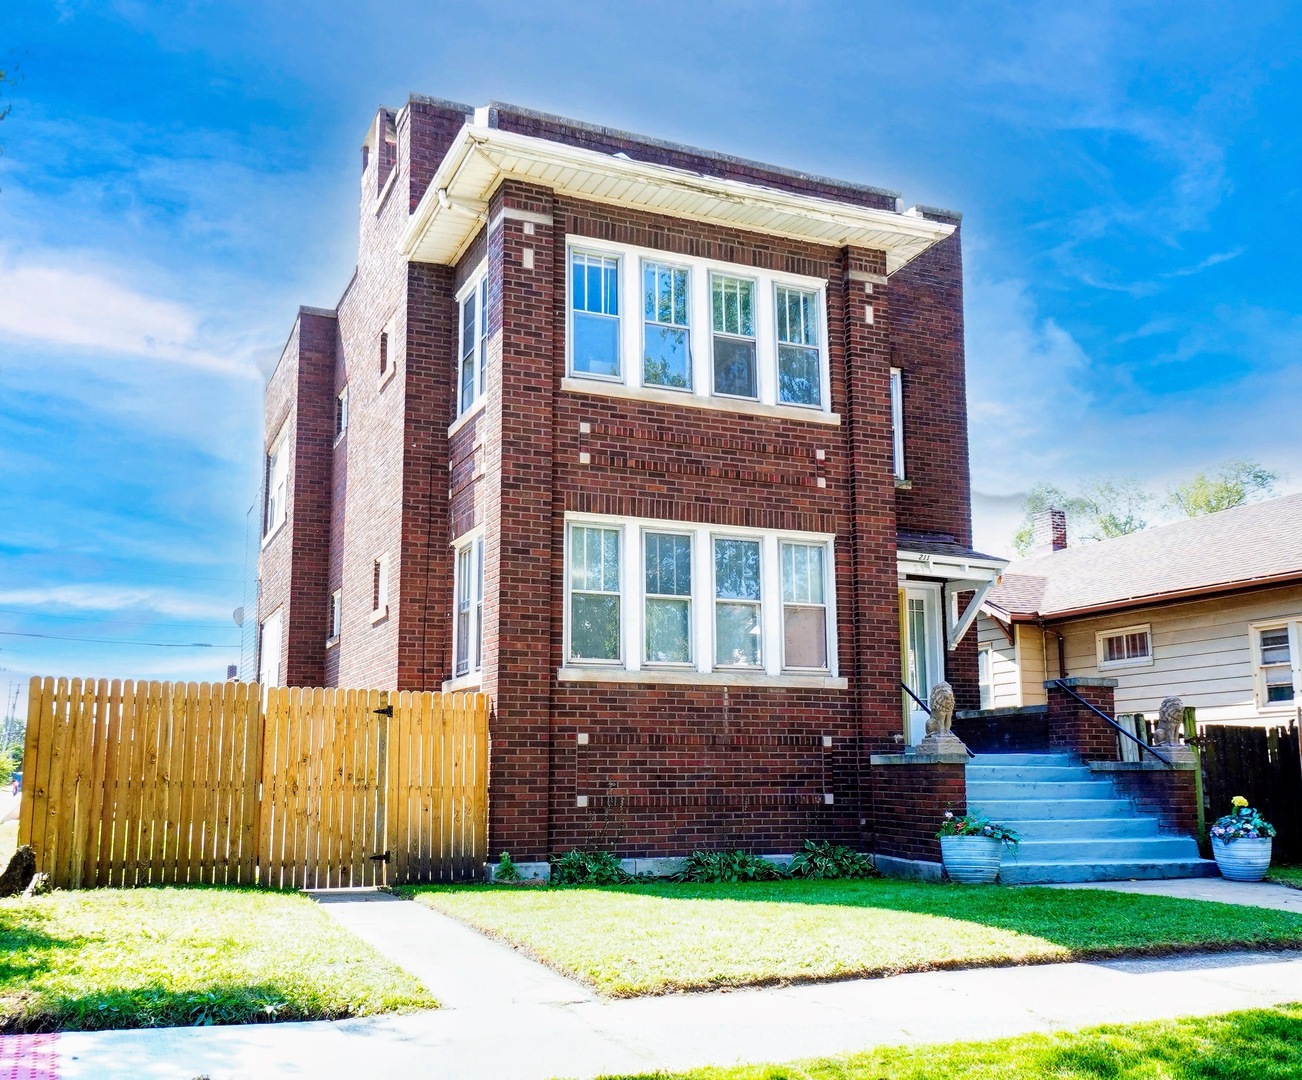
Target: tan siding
1031,652
1003,663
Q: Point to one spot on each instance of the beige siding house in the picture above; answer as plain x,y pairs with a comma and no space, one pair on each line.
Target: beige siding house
1209,609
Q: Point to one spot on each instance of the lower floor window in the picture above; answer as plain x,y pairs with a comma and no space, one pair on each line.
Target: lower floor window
468,617
1277,674
646,593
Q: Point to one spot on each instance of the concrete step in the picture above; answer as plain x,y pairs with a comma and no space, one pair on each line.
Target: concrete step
1011,811
1022,759
1119,828
980,774
1015,872
981,791
1107,849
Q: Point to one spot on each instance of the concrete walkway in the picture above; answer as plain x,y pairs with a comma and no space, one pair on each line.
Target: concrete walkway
1247,893
505,1016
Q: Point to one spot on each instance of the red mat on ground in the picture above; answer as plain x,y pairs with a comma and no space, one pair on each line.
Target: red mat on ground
29,1057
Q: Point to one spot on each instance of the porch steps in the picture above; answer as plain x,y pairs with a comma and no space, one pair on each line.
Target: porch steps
1074,825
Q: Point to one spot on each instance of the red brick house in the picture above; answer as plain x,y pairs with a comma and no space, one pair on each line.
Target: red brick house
664,450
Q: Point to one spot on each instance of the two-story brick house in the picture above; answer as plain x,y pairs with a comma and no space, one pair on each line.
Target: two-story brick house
664,450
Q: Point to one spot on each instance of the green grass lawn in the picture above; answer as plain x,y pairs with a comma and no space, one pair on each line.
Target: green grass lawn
1263,1044
119,958
648,939
1286,875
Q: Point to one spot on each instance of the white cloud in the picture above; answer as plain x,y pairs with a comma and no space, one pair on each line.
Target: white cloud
84,309
116,599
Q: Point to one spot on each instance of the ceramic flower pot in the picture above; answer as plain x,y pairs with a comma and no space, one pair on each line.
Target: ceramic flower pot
971,860
1244,859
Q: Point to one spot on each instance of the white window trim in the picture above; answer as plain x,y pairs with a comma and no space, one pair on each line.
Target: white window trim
336,617
341,414
897,422
783,603
473,284
1294,628
278,616
271,527
380,611
1101,641
391,351
986,686
632,667
472,542
690,665
700,334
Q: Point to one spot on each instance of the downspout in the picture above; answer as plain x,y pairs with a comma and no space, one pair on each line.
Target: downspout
1062,649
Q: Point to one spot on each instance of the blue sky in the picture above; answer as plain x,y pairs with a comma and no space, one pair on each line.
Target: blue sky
177,178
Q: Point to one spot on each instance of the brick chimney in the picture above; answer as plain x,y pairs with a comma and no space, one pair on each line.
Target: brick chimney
1049,531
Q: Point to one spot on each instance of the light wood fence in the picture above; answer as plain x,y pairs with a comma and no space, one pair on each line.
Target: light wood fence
149,783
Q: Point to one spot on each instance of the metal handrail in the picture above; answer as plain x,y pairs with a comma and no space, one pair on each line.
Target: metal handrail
921,704
1101,714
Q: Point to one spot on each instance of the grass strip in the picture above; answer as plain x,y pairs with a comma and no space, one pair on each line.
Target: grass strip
1286,875
649,939
1259,1044
127,958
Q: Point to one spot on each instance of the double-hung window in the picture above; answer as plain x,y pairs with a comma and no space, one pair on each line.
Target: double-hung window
277,484
738,599
668,632
1275,665
473,352
341,413
594,315
336,614
469,631
897,421
666,354
594,594
800,358
732,303
804,606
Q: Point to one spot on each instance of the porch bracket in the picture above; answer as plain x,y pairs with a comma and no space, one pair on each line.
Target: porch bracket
959,630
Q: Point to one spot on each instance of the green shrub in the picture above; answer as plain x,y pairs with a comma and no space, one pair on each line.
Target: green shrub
507,871
728,866
823,859
588,868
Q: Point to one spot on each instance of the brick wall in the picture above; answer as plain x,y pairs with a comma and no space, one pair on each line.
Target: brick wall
1074,728
908,802
1171,794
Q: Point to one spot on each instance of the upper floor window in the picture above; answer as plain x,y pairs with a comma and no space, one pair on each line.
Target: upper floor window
897,421
711,330
1130,646
341,413
594,315
277,484
472,363
336,614
667,357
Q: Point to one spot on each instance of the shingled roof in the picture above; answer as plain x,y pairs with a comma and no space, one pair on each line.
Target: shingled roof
1240,548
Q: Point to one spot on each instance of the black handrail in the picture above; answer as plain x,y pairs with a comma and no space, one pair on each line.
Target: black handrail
1102,715
922,704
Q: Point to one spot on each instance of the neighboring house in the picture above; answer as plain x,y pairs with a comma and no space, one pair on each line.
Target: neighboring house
1209,609
664,450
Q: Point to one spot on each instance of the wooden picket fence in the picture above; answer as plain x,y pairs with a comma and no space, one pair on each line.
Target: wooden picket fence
149,783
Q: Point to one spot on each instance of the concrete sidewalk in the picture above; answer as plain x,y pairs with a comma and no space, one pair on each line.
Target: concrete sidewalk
1264,894
506,1016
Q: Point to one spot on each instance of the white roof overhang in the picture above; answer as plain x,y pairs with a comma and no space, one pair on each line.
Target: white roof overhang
957,570
480,158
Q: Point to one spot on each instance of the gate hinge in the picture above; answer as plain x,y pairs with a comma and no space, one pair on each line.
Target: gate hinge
384,710
380,858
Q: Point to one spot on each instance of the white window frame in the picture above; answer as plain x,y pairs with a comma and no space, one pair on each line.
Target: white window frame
1259,669
897,422
763,603
633,667
986,674
630,259
666,264
336,616
471,546
341,413
784,603
1101,647
477,286
690,663
276,621
386,348
380,587
275,508
820,346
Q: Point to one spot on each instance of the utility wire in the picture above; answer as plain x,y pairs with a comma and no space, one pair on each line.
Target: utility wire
122,641
111,619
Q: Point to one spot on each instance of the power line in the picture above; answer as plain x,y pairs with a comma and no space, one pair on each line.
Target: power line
128,622
123,641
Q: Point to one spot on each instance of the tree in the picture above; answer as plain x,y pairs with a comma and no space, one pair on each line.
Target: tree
1233,484
1104,508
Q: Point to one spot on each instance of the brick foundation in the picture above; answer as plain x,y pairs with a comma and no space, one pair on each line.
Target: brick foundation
910,794
1076,729
1023,730
1171,794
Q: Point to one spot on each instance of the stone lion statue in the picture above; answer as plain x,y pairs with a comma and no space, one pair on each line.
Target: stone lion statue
942,709
1170,722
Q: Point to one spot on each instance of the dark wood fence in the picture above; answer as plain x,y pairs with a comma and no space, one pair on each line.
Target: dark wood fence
1263,765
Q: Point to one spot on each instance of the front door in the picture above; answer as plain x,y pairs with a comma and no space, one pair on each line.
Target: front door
922,653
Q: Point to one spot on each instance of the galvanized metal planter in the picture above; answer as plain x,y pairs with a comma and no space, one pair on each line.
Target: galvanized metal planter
971,860
1244,859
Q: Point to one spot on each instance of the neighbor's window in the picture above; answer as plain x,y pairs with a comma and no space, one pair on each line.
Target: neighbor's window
468,646
380,585
384,352
986,675
269,648
1129,646
594,303
594,593
804,606
472,366
800,368
737,603
897,420
667,357
341,412
277,484
336,613
732,302
1275,665
668,598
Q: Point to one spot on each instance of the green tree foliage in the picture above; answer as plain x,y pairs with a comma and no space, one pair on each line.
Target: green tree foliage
1233,484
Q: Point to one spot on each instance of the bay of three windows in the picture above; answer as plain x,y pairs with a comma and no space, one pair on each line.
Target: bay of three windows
711,330
660,594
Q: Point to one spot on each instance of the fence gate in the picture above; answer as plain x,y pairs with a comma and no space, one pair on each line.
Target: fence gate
147,783
1263,765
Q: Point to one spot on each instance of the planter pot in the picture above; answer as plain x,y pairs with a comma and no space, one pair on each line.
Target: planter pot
971,860
1243,859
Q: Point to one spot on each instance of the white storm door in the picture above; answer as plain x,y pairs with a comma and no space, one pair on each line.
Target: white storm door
923,653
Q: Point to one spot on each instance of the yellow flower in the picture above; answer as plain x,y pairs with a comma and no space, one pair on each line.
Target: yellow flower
1238,800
